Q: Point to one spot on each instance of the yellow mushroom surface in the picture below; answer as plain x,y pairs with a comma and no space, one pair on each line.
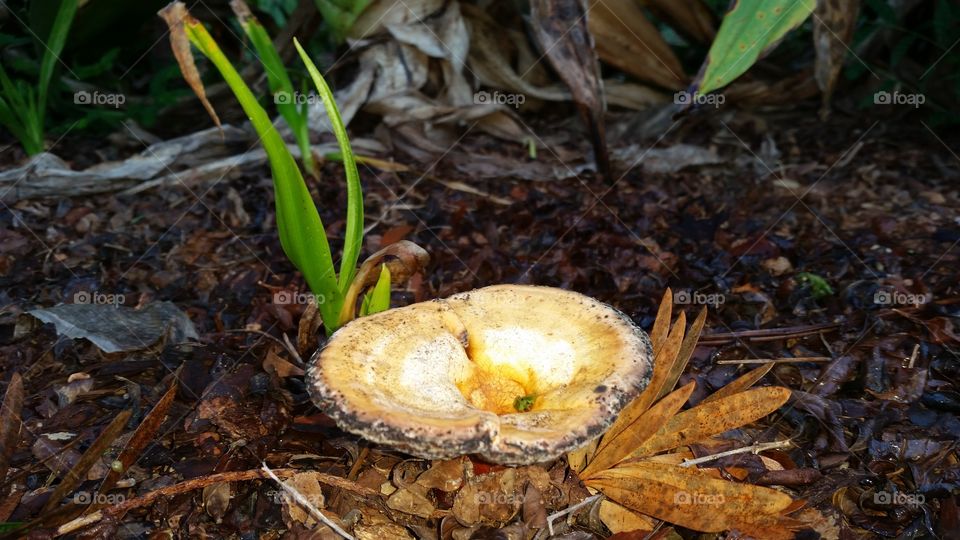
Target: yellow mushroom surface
516,373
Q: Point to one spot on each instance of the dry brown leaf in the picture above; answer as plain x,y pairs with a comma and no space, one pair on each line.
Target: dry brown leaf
619,519
833,24
10,424
561,28
309,327
412,500
627,40
578,459
490,498
307,483
624,443
176,16
693,498
534,509
662,364
715,417
444,475
686,351
216,499
274,363
742,383
661,325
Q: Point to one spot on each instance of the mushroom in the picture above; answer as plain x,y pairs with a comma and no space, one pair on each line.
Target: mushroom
518,374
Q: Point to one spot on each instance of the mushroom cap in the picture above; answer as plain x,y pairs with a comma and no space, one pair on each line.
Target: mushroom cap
445,378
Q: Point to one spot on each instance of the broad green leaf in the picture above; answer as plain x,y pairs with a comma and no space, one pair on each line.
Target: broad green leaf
301,232
380,297
354,233
750,29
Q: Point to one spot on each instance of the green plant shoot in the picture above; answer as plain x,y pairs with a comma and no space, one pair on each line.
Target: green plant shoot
301,232
380,295
23,109
281,87
354,232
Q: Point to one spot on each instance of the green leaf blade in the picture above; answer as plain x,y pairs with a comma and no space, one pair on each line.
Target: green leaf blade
354,230
750,29
302,235
380,297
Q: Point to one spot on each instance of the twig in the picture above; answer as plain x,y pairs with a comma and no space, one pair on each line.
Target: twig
570,510
913,355
200,483
292,351
753,449
767,334
776,360
305,504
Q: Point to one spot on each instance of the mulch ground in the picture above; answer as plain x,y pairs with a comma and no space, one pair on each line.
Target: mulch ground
850,228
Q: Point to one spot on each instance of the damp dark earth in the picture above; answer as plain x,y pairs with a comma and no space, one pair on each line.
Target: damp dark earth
758,202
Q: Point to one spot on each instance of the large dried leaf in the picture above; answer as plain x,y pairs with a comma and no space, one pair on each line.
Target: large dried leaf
619,519
694,499
624,443
626,39
690,340
561,28
833,24
744,382
662,365
708,419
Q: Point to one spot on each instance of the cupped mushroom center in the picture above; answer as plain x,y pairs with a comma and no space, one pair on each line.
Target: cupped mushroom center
512,367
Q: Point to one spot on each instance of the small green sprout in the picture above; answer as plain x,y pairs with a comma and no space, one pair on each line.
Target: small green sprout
819,287
524,403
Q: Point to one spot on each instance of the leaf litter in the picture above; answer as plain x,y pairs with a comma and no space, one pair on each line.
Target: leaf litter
872,432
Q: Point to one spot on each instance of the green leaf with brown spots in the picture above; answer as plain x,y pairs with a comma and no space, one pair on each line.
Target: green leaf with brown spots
749,30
